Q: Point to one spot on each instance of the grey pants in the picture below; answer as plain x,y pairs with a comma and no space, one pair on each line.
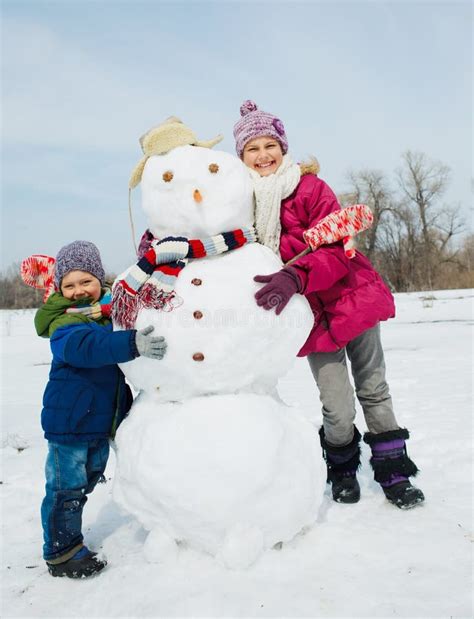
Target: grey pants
337,395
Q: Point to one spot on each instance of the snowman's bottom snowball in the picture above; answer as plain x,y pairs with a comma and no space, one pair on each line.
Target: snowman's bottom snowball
198,469
160,547
241,547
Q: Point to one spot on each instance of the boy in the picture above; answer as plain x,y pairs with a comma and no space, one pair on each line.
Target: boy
84,402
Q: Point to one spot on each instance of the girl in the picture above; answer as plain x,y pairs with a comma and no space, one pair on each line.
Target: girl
348,299
85,400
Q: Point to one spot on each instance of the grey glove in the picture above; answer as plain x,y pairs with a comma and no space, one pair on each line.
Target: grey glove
148,346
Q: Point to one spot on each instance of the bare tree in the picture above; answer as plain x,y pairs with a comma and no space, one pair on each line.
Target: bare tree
371,187
422,182
411,240
14,293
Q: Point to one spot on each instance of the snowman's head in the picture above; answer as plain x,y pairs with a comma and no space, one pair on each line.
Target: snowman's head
196,192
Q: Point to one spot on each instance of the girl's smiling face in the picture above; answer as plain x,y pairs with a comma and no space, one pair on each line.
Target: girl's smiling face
264,155
78,285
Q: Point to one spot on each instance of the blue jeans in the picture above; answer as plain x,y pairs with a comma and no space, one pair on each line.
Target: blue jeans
72,471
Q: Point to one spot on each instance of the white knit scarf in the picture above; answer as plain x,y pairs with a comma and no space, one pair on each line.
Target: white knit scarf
269,192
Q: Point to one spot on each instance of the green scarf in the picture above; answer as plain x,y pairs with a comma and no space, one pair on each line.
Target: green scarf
52,315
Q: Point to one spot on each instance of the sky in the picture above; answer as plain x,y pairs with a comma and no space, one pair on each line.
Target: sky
356,84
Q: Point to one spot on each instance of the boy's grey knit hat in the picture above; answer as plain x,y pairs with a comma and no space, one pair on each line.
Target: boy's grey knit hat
78,256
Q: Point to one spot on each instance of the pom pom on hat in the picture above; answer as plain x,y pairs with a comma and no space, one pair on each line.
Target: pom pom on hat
37,271
255,123
247,107
78,256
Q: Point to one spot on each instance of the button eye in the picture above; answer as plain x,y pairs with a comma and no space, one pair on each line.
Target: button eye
213,168
168,176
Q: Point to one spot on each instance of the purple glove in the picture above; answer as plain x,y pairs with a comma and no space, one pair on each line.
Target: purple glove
279,289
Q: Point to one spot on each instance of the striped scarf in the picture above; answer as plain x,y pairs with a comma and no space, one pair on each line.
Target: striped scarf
150,283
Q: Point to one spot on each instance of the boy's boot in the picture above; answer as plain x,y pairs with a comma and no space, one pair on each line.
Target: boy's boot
342,464
83,564
392,467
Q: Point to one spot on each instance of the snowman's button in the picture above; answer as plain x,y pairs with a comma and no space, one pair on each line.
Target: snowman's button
196,281
197,315
198,356
157,387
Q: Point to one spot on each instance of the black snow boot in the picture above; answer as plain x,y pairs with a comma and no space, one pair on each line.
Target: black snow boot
342,464
83,564
392,467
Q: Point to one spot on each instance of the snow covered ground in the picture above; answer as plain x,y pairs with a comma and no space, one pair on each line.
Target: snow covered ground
363,560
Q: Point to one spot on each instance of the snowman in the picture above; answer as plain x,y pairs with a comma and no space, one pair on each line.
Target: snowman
210,457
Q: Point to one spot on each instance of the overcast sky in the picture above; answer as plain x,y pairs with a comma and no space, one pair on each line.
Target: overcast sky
356,84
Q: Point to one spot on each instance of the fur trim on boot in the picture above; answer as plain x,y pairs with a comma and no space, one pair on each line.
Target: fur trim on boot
389,456
382,437
341,459
392,467
342,464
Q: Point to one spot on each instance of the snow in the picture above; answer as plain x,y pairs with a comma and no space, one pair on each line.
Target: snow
363,560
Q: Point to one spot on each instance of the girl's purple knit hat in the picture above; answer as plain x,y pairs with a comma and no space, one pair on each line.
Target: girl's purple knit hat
78,256
256,123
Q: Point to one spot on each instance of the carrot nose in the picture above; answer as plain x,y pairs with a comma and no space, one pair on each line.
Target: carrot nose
197,196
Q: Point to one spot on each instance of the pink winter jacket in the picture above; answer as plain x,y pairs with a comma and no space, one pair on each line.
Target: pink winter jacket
347,296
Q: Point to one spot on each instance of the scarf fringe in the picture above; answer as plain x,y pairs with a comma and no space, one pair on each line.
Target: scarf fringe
156,298
125,305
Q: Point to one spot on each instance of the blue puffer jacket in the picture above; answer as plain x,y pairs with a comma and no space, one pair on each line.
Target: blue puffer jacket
86,397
